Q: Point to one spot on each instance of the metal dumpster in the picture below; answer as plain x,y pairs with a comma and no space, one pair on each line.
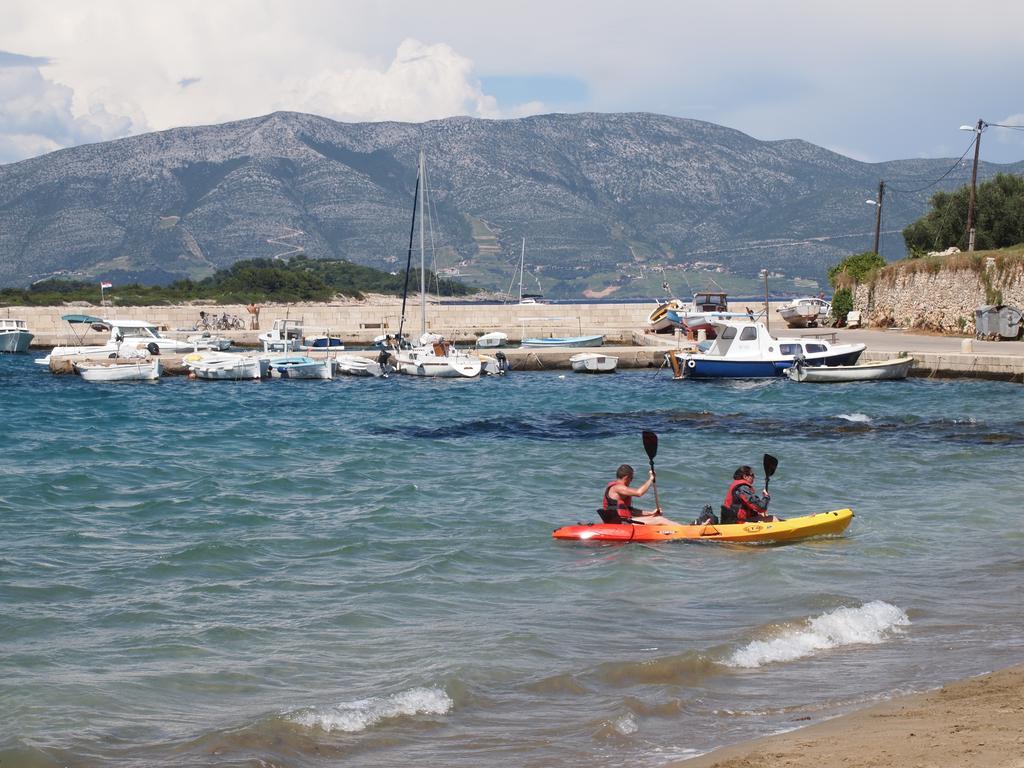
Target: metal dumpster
998,321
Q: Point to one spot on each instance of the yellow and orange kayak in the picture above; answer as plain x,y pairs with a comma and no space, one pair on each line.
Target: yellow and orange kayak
791,529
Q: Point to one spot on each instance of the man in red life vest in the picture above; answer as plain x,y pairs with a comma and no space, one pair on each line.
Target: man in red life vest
618,497
742,503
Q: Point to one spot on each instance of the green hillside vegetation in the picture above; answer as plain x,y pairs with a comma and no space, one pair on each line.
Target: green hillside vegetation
254,280
999,218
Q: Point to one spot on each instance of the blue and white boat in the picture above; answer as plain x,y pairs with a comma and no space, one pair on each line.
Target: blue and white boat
745,350
565,341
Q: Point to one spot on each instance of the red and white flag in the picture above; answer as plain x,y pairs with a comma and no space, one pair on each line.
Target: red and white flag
105,284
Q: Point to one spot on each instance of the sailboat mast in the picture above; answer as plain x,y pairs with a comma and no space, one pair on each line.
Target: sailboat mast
522,263
423,249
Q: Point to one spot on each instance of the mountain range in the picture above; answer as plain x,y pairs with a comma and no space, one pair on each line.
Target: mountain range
602,200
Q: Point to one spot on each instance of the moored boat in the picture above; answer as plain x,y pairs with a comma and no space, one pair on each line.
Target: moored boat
883,370
596,340
745,350
591,362
223,366
14,335
120,370
660,529
659,321
299,367
356,365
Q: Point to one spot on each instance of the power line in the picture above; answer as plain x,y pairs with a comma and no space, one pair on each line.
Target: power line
932,184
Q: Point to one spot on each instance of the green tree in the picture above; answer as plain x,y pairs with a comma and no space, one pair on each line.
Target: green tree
856,268
999,217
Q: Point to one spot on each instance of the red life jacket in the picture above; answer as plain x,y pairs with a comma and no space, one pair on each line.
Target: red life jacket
738,504
624,507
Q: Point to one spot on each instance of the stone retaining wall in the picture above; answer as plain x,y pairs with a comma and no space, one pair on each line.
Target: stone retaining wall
942,301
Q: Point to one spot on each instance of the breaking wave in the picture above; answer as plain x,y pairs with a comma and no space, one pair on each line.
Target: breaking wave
356,716
869,624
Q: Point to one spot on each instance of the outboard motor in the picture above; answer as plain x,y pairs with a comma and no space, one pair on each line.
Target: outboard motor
502,362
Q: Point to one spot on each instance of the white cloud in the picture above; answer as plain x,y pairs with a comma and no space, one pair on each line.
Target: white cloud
36,115
875,77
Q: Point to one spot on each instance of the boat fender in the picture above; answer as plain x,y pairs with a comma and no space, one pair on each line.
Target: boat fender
112,355
153,348
691,363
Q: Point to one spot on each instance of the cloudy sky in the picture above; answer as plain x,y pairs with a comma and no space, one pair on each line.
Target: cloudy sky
872,79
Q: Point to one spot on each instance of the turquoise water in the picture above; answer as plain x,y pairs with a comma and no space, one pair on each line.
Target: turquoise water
361,571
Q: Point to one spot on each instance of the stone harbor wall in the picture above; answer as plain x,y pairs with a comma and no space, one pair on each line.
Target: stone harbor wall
940,300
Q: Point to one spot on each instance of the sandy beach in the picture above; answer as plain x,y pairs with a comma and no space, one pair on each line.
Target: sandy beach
973,723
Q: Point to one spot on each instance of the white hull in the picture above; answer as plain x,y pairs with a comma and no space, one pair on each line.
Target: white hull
361,366
300,368
15,341
805,313
223,367
885,370
148,371
492,340
569,341
422,361
590,362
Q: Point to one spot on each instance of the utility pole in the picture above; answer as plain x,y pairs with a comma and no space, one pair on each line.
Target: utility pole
974,181
878,214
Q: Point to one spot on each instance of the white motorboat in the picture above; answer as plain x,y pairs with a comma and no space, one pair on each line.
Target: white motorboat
492,340
745,350
223,366
120,370
591,362
356,365
14,335
299,367
806,312
596,340
883,370
284,336
125,338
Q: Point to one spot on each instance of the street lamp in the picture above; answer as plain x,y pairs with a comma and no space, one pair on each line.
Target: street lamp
981,126
878,214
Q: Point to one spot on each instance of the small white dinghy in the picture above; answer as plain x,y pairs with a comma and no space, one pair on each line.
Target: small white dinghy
299,367
120,370
363,366
884,370
223,366
591,362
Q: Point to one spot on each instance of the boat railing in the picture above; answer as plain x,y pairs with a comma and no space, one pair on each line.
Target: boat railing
830,336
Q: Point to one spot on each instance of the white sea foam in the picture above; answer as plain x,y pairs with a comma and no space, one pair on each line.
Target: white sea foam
356,716
871,623
861,418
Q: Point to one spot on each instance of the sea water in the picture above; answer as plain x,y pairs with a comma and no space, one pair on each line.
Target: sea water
362,571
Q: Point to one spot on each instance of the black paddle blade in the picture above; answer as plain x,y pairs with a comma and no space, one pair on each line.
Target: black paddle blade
651,445
770,465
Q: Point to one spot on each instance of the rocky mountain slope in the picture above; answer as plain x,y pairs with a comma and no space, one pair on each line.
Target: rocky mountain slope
594,194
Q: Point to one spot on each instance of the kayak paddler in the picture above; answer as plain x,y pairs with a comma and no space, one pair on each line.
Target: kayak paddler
618,497
742,503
